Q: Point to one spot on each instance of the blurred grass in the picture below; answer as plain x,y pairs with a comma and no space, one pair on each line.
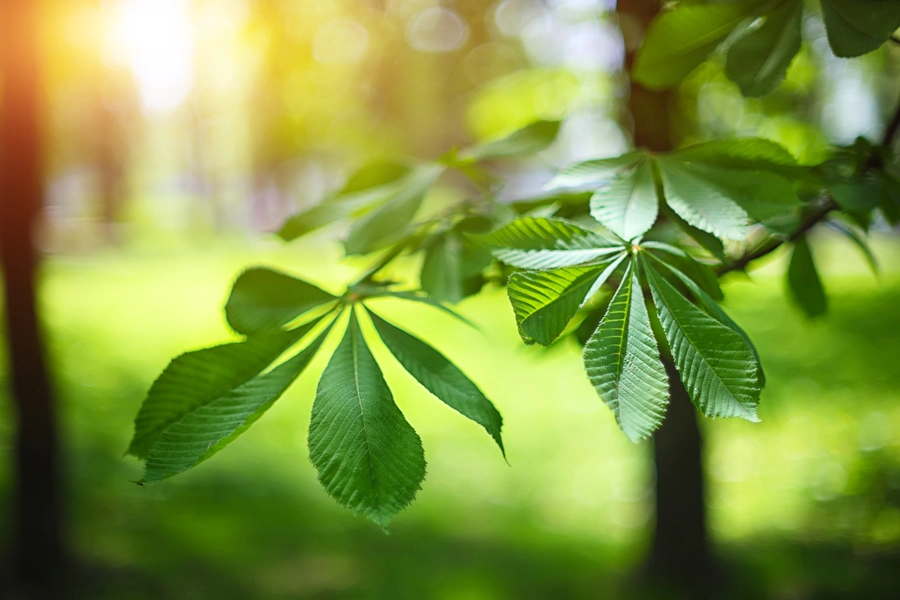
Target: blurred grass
804,505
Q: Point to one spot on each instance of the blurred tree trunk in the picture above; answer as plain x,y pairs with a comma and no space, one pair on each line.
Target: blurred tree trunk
680,555
38,553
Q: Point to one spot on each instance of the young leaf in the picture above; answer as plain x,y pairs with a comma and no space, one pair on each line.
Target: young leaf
545,301
387,222
208,428
200,378
628,206
368,457
803,281
856,27
440,377
594,172
263,300
528,140
715,363
700,203
759,59
622,361
678,40
539,243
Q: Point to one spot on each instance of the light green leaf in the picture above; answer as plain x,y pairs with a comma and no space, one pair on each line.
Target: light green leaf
699,203
208,428
528,140
753,154
388,222
628,206
263,300
594,172
715,363
759,59
803,281
545,301
197,379
440,377
368,457
374,175
678,40
622,362
856,27
539,243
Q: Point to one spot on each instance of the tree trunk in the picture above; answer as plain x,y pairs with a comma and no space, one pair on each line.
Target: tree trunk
38,554
680,556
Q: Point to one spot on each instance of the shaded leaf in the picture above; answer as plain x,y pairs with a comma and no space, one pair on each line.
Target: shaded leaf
715,363
622,362
628,206
367,455
759,59
856,27
803,281
754,154
678,40
440,377
540,243
858,240
705,240
264,300
699,273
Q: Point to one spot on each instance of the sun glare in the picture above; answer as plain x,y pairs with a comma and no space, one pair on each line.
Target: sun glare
156,39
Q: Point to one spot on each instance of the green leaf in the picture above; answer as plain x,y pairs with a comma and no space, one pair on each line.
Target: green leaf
528,140
388,222
803,281
700,203
594,172
204,377
628,206
440,377
206,429
858,240
263,300
622,362
712,308
856,27
374,175
698,272
705,240
416,297
678,40
546,301
368,457
762,195
715,363
539,243
759,59
890,197
451,269
753,154
856,196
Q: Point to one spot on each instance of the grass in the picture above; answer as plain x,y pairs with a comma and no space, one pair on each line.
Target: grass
804,505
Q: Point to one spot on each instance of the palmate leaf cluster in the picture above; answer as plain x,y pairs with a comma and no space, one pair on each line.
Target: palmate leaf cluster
621,254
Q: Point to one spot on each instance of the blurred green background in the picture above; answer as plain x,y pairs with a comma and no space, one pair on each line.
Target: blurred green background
180,132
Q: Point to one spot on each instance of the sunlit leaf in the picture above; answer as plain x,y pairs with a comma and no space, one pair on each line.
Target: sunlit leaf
528,140
594,172
628,206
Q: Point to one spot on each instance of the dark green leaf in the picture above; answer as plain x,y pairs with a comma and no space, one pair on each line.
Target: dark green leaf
539,243
263,300
715,363
890,197
628,206
440,377
528,140
204,378
700,273
759,59
856,196
856,27
622,362
678,40
755,154
368,457
206,429
803,281
705,240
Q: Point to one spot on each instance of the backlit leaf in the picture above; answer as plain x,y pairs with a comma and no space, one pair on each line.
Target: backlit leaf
628,206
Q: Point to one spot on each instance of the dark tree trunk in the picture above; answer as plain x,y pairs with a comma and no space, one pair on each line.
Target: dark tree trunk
37,551
680,556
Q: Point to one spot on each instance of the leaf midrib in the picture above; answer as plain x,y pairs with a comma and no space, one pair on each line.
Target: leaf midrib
354,349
